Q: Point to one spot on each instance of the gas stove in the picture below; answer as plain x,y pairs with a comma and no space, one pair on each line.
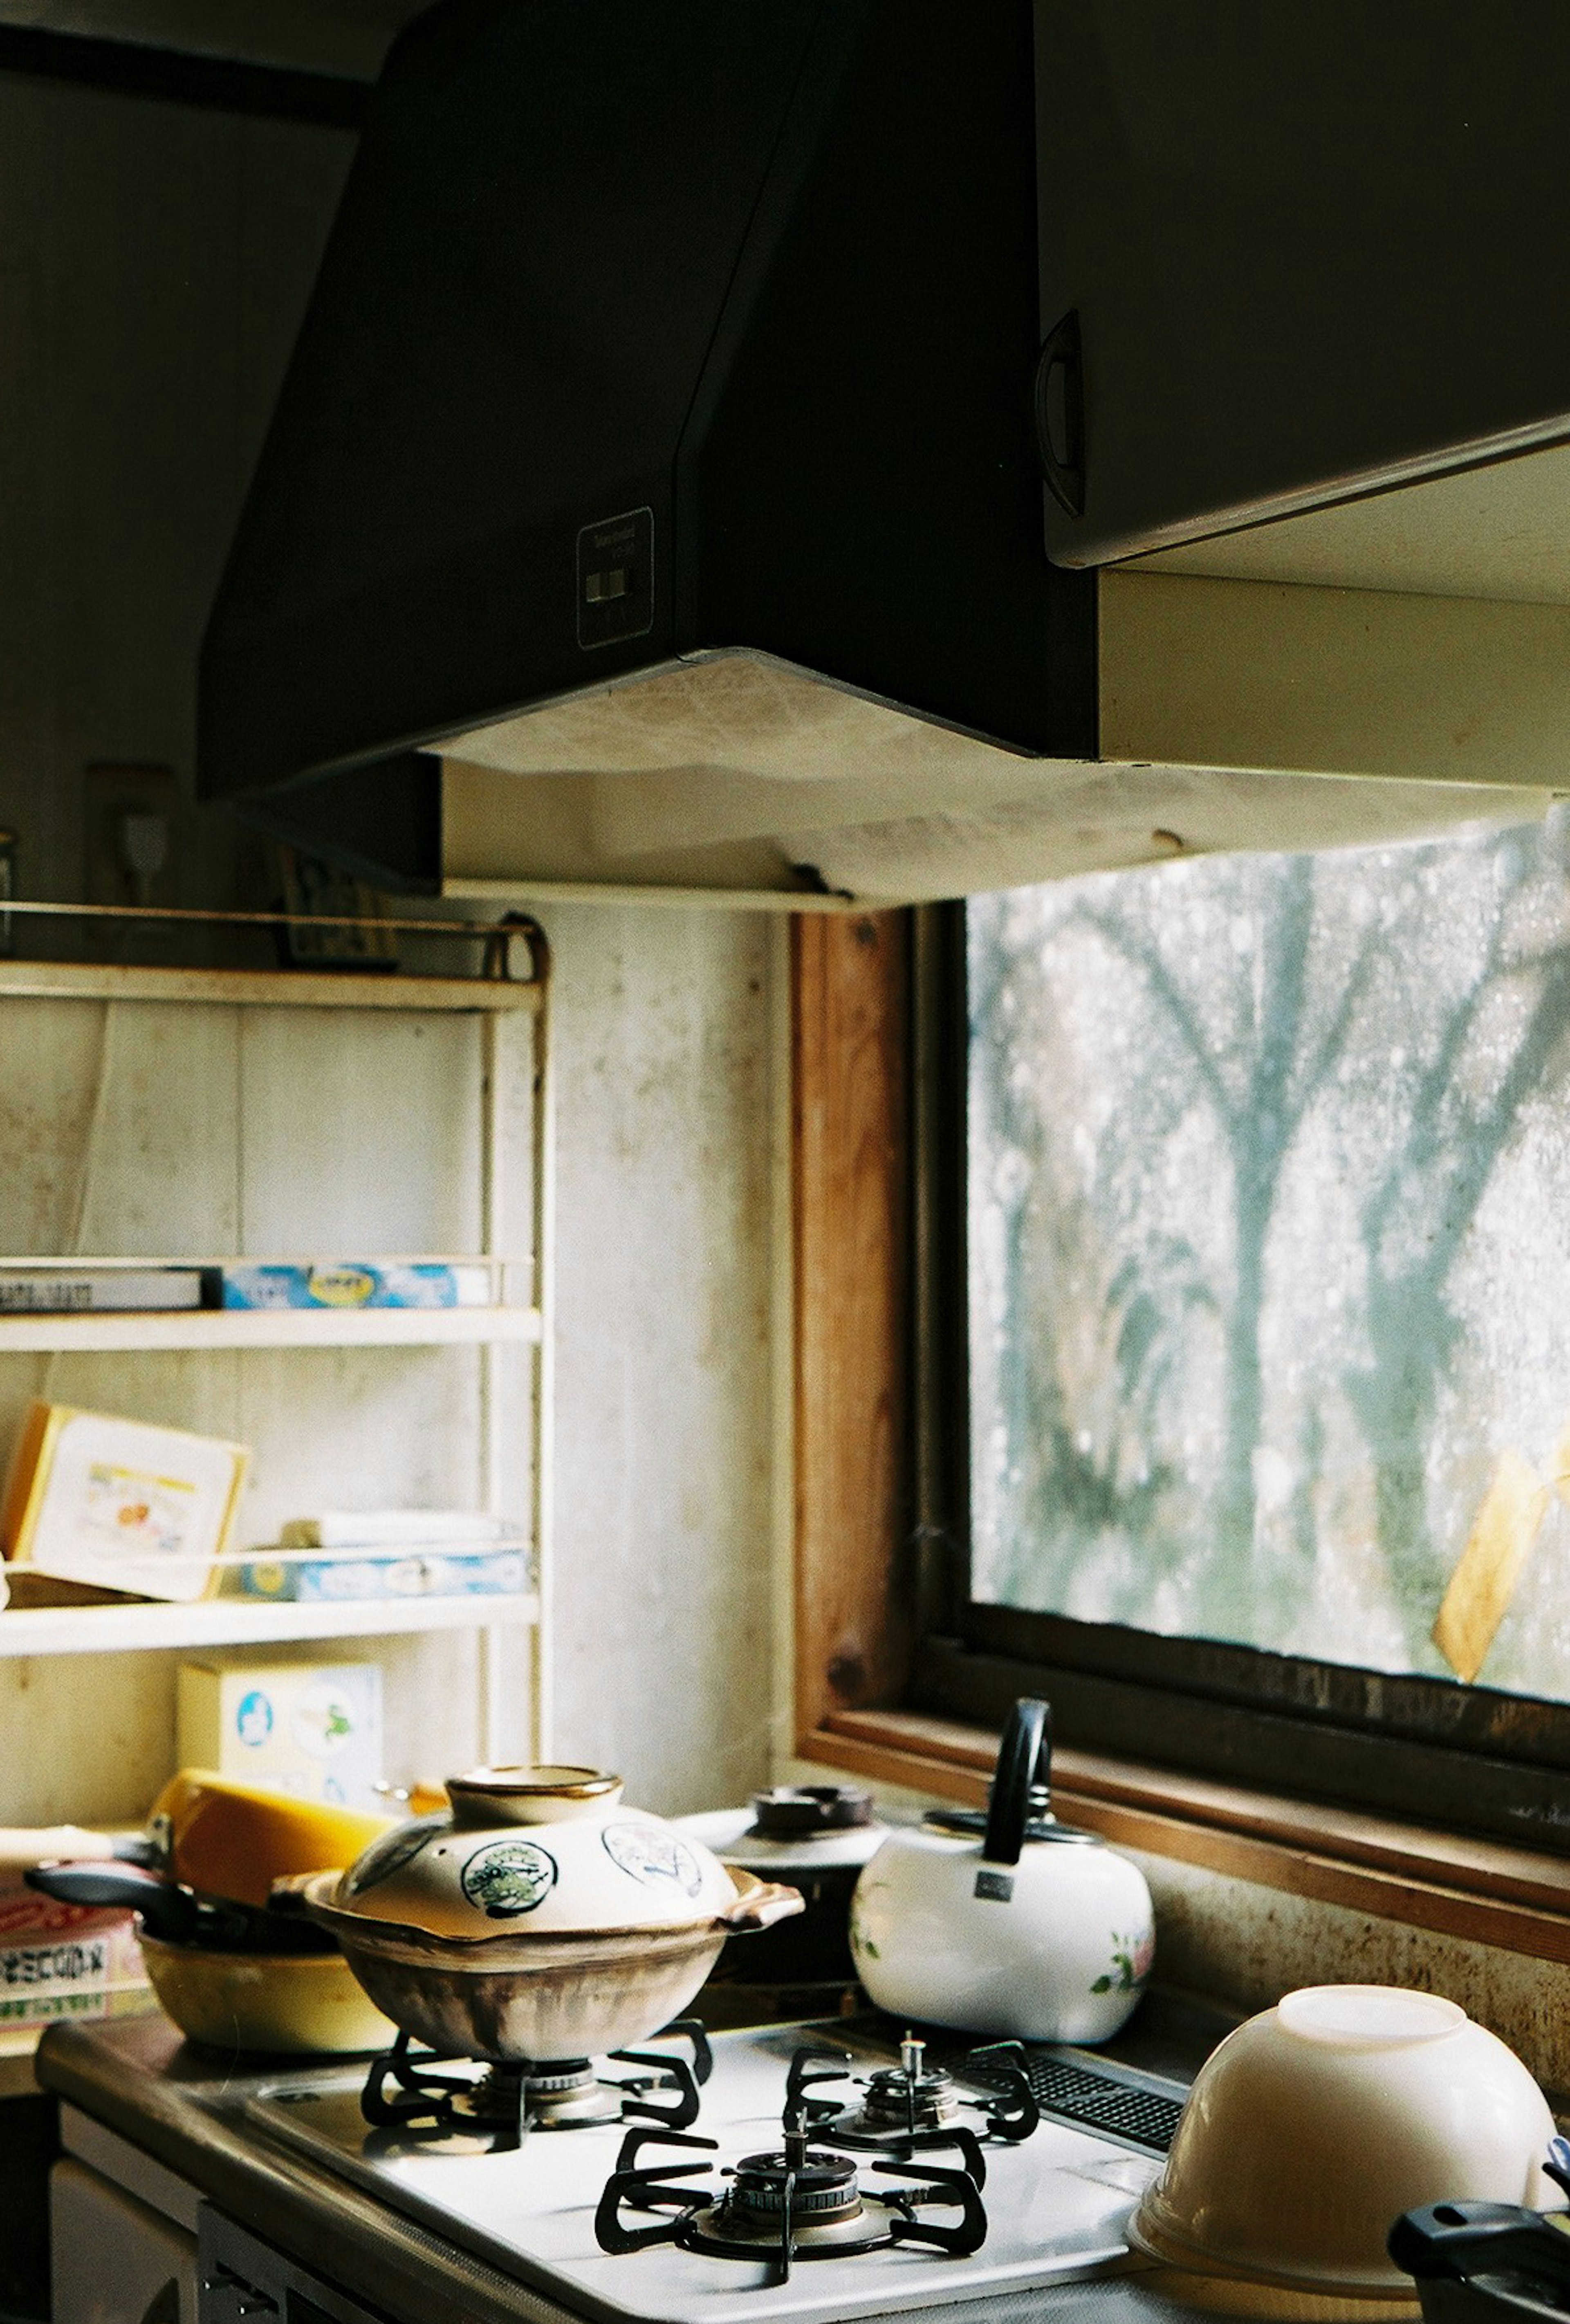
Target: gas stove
812,2172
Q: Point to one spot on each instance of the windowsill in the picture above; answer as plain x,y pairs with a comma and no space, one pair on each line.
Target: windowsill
1477,1889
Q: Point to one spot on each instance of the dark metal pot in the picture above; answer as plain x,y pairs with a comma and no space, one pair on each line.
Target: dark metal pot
818,1837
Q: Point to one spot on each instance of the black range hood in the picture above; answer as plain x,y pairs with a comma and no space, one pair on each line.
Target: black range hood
653,500
648,331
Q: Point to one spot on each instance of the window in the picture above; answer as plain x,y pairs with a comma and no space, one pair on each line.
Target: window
1261,1172
1269,1229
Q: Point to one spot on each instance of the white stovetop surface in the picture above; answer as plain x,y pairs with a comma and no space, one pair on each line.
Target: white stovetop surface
1055,2203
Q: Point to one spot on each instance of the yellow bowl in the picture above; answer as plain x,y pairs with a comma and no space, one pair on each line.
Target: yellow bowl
288,2004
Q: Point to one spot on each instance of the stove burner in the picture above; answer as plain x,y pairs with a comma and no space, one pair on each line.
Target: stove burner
825,2185
914,2096
511,2098
817,2193
805,2199
898,2099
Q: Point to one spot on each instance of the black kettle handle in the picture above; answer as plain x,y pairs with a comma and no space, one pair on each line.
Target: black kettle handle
1024,1762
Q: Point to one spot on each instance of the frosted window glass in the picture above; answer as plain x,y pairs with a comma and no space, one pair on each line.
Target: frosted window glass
1269,1247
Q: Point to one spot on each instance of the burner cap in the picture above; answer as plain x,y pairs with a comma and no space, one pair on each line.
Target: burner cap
826,2184
893,2095
545,2081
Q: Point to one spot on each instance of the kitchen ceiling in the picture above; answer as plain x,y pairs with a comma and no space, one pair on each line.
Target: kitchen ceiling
330,36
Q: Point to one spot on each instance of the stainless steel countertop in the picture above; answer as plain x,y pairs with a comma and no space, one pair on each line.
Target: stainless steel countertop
184,2106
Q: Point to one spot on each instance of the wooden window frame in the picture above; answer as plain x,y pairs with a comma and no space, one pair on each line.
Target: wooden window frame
869,1580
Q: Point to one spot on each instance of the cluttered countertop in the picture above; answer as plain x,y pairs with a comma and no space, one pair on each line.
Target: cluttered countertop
501,2065
452,2177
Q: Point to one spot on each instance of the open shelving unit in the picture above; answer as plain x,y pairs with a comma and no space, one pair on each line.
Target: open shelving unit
490,999
493,1107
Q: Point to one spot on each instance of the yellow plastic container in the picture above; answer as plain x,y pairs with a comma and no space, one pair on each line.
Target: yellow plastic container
229,1838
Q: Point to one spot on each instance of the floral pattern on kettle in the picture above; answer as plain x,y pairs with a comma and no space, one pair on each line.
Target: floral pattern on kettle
646,1853
1131,1961
509,1877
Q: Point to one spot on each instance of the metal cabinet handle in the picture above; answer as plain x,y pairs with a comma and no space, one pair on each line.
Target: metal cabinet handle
1060,430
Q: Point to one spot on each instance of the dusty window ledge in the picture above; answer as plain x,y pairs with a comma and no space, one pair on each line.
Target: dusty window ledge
1515,1898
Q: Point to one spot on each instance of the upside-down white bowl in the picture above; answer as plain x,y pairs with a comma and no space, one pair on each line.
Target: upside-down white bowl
1315,2125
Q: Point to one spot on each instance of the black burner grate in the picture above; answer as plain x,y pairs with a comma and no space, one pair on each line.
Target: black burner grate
1095,2101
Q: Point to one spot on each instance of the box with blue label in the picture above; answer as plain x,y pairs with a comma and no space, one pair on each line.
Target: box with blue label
312,1728
292,1576
356,1283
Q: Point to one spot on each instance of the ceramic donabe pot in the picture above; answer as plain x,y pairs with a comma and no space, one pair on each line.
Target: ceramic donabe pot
538,1998
1008,1922
551,1851
541,1920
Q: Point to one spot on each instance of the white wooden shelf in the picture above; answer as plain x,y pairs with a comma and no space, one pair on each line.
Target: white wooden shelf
243,1622
268,987
270,1327
247,1129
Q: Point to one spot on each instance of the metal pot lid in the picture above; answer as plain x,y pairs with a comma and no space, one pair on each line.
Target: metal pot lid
733,1836
808,1810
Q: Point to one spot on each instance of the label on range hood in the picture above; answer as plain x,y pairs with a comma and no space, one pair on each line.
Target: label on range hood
615,578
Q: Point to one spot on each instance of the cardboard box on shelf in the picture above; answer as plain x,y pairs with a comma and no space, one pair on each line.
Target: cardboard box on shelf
354,1282
312,1728
119,1504
341,1577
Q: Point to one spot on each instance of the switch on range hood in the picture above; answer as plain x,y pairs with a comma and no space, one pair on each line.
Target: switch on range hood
653,504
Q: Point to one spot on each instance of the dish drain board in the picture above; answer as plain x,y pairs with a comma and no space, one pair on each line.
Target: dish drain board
1137,2108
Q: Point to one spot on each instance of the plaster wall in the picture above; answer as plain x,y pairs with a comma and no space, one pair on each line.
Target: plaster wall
667,1341
154,263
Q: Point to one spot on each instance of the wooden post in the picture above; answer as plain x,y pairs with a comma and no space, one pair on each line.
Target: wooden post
850,983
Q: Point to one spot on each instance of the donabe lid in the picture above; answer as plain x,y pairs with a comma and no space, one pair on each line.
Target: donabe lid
536,1851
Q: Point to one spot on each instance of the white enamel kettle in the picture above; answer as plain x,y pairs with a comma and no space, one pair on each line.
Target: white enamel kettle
1008,1922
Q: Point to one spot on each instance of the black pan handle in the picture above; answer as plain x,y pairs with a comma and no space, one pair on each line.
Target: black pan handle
1461,2239
167,1912
1024,1762
1060,414
175,1914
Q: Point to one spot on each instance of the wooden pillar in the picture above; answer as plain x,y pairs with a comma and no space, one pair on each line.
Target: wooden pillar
850,991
